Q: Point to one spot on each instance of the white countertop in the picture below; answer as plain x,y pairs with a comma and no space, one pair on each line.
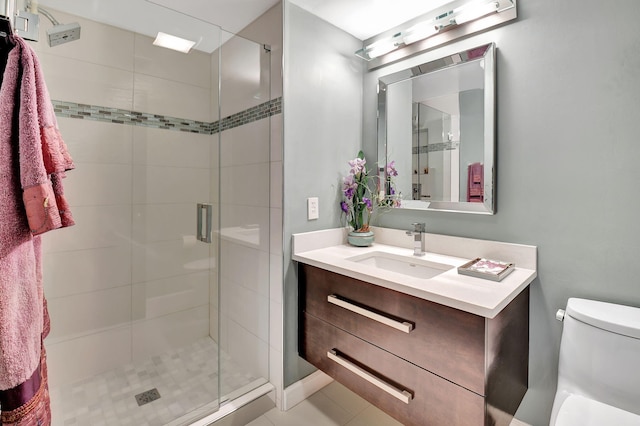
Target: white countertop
328,250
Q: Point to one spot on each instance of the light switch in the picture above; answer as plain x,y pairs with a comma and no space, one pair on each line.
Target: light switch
312,208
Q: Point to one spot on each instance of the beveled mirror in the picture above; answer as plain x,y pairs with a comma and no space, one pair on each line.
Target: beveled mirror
437,122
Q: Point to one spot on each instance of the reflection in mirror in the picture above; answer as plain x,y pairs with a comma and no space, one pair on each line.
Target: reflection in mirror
436,121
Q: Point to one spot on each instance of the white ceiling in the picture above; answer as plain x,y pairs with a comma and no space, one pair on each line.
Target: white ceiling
361,18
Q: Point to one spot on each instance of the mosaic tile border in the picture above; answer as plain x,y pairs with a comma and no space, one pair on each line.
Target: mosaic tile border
135,118
436,147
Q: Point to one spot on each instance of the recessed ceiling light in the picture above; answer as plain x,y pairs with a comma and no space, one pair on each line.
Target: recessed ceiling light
172,42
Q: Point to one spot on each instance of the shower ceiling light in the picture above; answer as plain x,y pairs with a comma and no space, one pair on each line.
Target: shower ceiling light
174,43
449,17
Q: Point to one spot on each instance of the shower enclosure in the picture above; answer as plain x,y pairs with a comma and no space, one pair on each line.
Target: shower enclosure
151,325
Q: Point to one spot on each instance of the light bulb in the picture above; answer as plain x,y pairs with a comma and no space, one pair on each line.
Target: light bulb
419,32
476,11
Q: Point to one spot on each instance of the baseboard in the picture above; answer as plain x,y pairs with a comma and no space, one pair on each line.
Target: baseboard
302,389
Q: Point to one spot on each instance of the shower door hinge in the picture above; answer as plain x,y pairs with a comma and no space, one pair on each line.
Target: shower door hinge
266,47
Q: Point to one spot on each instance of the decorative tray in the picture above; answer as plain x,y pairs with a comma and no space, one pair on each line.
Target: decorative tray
488,269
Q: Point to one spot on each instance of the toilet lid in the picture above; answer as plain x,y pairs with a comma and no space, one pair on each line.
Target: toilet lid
580,411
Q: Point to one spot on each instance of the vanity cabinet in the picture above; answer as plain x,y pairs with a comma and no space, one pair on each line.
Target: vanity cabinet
421,362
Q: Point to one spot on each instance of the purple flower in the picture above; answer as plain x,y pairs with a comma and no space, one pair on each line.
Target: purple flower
368,202
344,206
349,186
391,169
357,165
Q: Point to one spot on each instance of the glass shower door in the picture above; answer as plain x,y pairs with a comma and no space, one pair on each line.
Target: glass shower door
244,212
176,257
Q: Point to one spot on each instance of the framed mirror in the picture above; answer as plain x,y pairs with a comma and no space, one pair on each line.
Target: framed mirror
436,121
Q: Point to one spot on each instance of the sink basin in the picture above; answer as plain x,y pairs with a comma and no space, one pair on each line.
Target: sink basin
413,267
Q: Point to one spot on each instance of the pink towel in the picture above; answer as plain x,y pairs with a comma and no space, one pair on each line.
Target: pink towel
33,158
475,183
43,153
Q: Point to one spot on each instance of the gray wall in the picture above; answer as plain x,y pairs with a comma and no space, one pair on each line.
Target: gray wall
322,107
568,163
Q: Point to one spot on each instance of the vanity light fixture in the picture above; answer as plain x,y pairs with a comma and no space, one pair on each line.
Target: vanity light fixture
474,11
419,32
450,17
383,47
174,43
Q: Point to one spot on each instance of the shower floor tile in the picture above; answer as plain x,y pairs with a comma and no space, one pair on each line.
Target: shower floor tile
186,379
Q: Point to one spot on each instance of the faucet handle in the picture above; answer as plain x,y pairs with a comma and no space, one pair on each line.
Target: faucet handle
418,227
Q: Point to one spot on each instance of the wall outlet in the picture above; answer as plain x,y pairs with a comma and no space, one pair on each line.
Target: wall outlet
312,208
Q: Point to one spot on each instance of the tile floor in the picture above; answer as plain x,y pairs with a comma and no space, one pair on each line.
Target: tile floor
186,379
334,405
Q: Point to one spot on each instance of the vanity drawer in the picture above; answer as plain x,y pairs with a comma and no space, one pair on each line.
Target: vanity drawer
443,340
380,377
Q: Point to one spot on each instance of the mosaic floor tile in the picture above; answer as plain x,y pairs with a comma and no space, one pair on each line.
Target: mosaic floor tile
185,379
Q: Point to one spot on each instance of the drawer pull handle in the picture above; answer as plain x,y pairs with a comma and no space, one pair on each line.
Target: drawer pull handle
403,395
405,327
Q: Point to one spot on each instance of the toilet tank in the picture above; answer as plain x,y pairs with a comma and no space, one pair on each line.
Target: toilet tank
600,354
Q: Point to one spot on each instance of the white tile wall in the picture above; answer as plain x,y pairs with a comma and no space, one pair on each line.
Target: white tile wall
243,86
163,222
246,308
161,96
152,299
158,335
96,226
159,185
97,142
83,314
249,267
276,184
84,82
275,226
246,350
276,137
244,145
164,259
95,184
232,215
268,30
82,271
72,360
159,147
246,185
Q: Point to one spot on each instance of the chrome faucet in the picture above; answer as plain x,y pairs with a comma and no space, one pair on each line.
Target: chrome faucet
418,238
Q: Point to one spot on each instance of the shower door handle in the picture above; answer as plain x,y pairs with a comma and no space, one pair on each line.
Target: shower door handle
204,212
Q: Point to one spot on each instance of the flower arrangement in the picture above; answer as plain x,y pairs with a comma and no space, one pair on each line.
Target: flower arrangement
357,203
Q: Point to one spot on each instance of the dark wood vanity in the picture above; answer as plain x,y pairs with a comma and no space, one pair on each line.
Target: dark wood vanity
421,362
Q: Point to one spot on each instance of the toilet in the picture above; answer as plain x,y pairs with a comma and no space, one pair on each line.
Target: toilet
599,367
